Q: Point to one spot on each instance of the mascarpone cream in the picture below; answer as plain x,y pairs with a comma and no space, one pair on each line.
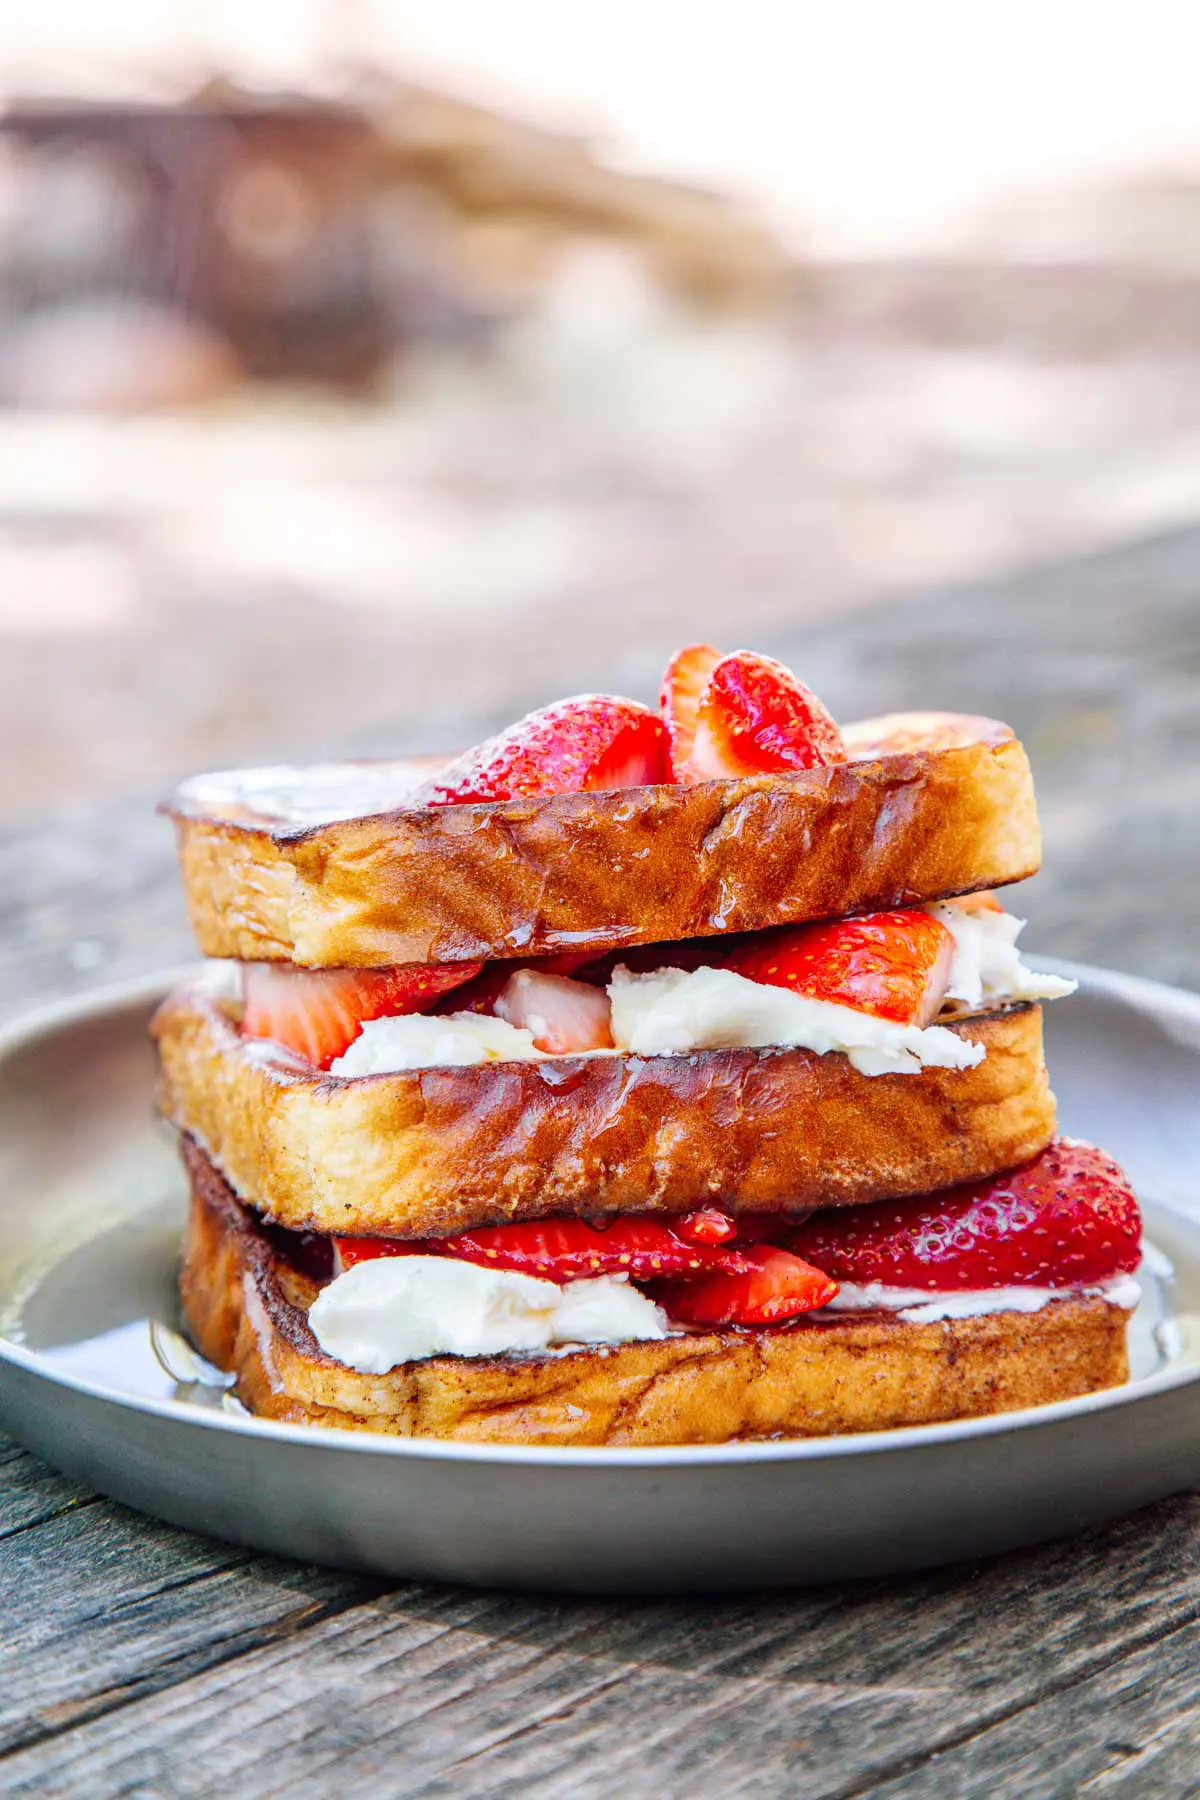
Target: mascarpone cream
921,1306
987,967
433,1041
400,1309
675,1011
672,1011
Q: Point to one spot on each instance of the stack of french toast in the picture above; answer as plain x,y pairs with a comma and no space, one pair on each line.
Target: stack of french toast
640,1076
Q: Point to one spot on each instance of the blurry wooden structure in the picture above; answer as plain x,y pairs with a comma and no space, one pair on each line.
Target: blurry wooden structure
520,193
250,217
316,240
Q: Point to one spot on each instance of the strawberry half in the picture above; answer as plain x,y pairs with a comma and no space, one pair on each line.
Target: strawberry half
1065,1219
563,1017
688,674
318,1013
565,1250
895,965
754,717
778,1285
593,742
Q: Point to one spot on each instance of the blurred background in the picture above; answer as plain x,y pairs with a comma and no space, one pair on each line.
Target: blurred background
371,371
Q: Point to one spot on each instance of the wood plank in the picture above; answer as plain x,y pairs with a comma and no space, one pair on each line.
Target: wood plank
1132,1730
88,895
30,1492
437,1693
100,1606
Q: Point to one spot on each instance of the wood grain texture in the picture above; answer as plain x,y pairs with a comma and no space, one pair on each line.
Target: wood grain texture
30,1494
155,1672
831,1694
1131,1730
99,1609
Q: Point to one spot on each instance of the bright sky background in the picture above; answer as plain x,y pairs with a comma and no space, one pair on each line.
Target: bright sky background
867,125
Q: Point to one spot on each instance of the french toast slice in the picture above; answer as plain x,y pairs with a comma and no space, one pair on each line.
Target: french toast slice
246,1301
275,869
435,1151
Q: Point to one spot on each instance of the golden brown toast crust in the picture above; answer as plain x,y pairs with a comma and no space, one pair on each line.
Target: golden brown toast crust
435,1151
246,1309
607,870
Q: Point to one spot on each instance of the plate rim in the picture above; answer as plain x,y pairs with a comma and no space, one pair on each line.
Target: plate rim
33,1024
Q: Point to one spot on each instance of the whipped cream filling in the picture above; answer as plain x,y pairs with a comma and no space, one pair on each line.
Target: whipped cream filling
673,1012
433,1041
987,968
398,1309
921,1306
401,1309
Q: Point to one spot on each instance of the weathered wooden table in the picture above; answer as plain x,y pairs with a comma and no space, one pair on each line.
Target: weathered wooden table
140,1661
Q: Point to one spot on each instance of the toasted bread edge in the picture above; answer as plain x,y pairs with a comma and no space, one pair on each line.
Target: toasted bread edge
434,1151
601,871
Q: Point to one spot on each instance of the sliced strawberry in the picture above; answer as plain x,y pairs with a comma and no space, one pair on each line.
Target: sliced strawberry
318,1013
756,718
570,1249
1067,1218
566,962
481,994
707,1225
687,677
351,1250
566,1250
777,1286
593,742
712,1225
895,965
597,971
563,1017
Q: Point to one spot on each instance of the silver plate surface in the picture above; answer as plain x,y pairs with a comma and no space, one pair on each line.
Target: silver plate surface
92,1379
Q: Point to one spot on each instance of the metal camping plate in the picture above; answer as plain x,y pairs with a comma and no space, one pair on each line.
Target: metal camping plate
94,1378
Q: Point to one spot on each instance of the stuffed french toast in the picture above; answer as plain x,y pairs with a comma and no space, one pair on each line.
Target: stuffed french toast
640,1076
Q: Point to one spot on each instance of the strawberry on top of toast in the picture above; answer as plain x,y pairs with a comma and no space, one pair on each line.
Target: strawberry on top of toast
722,717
